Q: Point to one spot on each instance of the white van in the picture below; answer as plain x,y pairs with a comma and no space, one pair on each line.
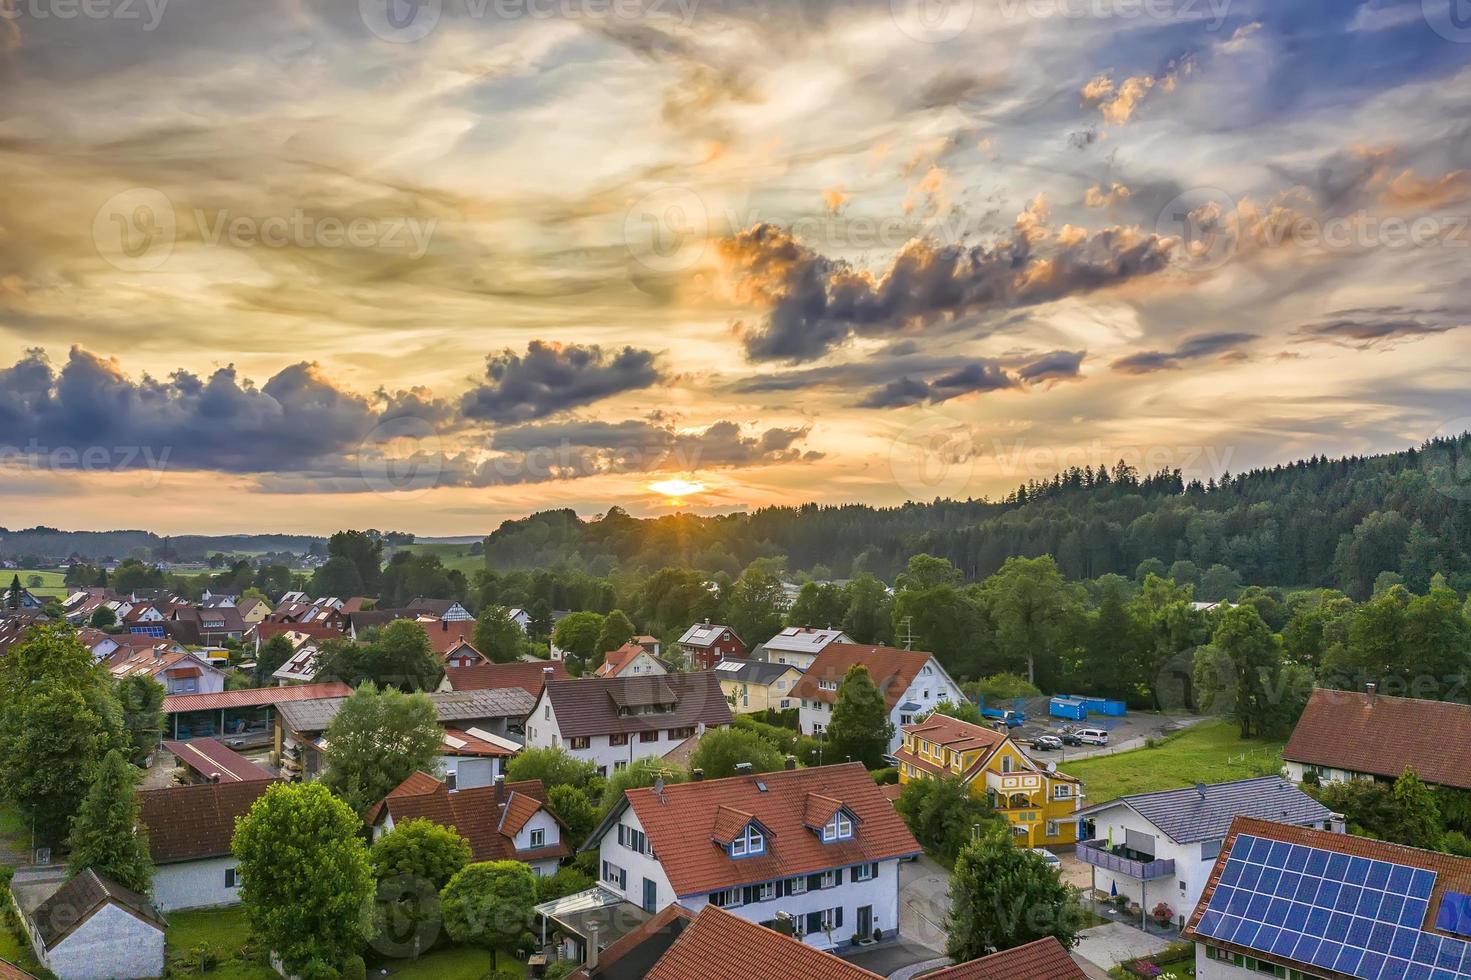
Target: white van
1092,736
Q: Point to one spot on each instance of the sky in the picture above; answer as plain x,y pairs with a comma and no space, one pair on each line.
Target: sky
297,265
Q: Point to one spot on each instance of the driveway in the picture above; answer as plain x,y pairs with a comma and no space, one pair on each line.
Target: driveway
924,902
1108,945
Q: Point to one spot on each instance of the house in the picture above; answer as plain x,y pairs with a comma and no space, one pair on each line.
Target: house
101,645
80,605
631,660
18,597
529,676
206,627
189,833
207,761
521,618
706,644
1293,902
92,928
1038,802
1160,847
471,757
144,618
448,634
447,610
262,633
502,822
819,848
610,721
462,653
299,725
301,667
178,671
717,945
239,716
757,685
253,610
215,600
912,683
650,643
1349,735
800,645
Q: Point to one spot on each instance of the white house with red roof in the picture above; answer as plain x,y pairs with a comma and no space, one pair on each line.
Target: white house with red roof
631,660
819,848
911,681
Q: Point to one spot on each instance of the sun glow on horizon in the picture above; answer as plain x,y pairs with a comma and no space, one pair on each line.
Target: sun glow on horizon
675,489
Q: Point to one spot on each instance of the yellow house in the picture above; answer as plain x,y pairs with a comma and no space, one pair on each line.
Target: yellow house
1038,803
755,685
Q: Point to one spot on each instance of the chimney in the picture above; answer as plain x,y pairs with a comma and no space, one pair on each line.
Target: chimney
743,768
697,775
444,625
592,947
500,790
1372,690
791,763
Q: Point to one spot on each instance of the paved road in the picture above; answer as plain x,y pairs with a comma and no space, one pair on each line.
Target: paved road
924,901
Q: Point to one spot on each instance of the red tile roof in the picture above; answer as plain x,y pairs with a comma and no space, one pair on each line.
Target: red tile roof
719,946
891,668
186,823
208,757
588,706
317,631
616,660
253,697
525,674
443,634
474,813
681,826
1043,959
1382,736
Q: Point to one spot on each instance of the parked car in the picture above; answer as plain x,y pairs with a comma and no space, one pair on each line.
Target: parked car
1053,861
1092,736
1046,743
1071,738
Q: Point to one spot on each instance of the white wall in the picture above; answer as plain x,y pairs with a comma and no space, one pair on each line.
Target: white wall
544,822
111,945
642,665
542,732
801,660
927,690
470,771
194,884
1209,969
1191,871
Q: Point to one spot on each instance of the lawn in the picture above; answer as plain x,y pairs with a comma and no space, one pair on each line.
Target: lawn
226,931
450,555
53,584
1208,752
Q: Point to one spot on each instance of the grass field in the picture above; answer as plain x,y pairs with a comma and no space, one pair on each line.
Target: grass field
1209,752
225,931
53,584
450,555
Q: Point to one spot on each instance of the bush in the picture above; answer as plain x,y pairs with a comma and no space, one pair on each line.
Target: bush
354,969
885,777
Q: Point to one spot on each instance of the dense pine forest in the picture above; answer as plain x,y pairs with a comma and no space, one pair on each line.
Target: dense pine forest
1338,523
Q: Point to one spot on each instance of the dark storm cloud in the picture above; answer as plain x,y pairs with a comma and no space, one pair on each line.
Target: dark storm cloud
815,303
1192,349
1059,365
978,376
643,445
551,378
218,422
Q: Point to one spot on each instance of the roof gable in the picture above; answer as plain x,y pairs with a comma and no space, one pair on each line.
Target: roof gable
891,668
589,706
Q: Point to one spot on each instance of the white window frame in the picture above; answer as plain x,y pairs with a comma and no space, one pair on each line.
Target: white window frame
863,872
840,827
538,838
799,885
766,891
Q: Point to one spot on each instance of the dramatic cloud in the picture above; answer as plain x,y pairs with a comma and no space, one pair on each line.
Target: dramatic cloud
1192,349
1059,365
551,378
978,376
817,303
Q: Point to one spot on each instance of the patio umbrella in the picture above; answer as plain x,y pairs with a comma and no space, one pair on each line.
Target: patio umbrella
1113,889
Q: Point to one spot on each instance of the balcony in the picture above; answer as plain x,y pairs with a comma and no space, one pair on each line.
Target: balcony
1121,860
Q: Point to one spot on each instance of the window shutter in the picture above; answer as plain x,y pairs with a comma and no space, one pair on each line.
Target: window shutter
622,879
839,923
748,895
786,887
875,869
838,877
814,882
620,834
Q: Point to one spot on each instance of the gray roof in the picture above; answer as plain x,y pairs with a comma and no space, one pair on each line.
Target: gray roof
74,902
316,714
1186,816
752,671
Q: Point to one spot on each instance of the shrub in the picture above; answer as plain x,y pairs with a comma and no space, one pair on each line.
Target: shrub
885,777
354,969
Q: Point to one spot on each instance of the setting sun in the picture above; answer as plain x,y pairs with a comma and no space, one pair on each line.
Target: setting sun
676,487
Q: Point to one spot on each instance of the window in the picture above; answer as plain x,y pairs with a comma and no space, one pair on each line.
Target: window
652,736
614,875
232,877
538,839
681,733
619,739
865,872
1052,828
750,843
730,898
827,685
633,839
797,886
840,827
546,713
620,764
579,742
766,892
1006,763
1062,791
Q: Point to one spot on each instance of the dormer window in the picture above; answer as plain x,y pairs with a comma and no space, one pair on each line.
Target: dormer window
840,827
750,843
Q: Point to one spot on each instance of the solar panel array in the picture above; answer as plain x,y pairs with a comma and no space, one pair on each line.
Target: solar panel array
1350,915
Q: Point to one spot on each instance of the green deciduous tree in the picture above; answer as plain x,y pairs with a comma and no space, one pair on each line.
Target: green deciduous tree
497,635
636,775
1417,817
412,863
578,815
106,836
272,657
617,630
553,766
379,739
141,699
943,815
860,727
307,883
102,618
1030,605
577,633
398,655
1003,896
867,616
58,717
489,904
1243,674
722,749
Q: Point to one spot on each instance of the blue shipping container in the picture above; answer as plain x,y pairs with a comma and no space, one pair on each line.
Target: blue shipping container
1069,708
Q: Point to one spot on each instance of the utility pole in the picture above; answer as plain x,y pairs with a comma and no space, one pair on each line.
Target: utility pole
908,636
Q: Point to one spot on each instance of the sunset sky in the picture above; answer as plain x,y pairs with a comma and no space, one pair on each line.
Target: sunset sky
296,265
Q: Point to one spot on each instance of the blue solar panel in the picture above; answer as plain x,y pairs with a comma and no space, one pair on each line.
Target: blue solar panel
1353,916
